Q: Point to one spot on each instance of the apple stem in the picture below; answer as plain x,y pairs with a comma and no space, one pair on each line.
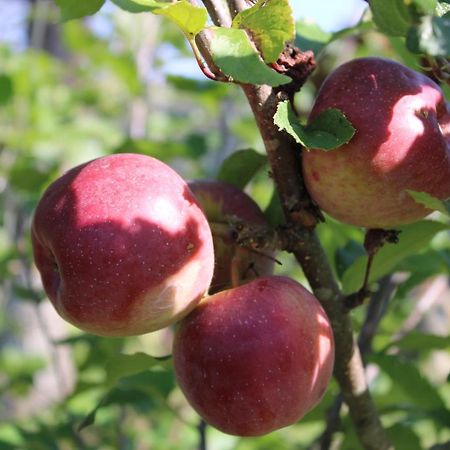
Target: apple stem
377,308
264,255
234,267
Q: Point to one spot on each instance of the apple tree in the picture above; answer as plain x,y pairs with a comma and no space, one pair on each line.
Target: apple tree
293,293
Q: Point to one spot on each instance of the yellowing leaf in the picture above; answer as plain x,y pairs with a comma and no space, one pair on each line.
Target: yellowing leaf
234,54
271,25
191,19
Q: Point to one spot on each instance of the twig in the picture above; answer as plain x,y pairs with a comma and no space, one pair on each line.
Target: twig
219,13
374,240
122,440
201,62
375,312
201,49
333,424
235,6
202,445
39,24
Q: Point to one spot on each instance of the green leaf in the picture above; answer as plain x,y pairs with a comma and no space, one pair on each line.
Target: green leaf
147,387
27,294
431,36
420,342
74,9
274,211
409,380
442,9
156,384
403,437
328,131
90,418
15,364
6,89
431,202
345,255
136,6
391,17
190,18
234,54
239,168
311,37
422,7
125,365
413,238
271,25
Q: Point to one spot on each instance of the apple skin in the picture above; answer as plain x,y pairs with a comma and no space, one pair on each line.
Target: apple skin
255,358
222,201
402,141
122,246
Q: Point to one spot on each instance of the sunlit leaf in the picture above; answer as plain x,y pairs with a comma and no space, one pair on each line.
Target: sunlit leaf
234,54
431,202
421,342
422,7
271,25
431,36
406,376
442,8
190,18
328,131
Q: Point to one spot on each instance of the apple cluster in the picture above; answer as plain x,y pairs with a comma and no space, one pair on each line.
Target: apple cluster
124,247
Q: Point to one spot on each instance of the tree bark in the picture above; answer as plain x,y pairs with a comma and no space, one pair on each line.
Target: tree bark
285,160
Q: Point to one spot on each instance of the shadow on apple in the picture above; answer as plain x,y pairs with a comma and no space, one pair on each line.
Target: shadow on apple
122,246
255,358
402,142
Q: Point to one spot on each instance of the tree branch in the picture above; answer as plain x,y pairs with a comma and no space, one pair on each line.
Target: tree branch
202,445
300,213
284,157
236,6
219,12
376,309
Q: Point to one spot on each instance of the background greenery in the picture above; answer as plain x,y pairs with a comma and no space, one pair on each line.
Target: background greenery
78,91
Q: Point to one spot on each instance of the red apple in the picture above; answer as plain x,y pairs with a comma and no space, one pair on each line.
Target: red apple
255,358
402,142
122,246
221,203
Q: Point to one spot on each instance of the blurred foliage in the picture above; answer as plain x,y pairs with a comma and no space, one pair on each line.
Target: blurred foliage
112,91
